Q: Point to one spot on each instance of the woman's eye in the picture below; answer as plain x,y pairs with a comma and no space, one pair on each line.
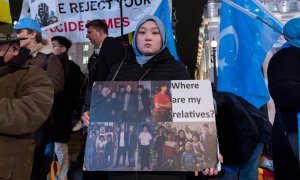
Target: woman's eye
141,32
155,33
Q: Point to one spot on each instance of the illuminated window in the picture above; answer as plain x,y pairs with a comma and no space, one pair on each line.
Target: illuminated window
85,47
274,7
85,60
294,6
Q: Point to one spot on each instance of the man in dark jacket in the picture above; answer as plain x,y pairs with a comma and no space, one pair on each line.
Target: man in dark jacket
26,97
144,109
129,105
64,102
131,147
107,52
122,136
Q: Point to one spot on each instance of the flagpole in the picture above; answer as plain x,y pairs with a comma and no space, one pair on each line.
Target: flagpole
247,12
121,17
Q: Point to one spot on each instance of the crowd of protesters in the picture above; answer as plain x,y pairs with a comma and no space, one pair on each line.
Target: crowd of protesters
45,85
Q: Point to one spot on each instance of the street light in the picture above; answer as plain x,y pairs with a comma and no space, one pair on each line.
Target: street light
213,45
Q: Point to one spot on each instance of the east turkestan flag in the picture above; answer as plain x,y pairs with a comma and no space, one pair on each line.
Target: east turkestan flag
244,43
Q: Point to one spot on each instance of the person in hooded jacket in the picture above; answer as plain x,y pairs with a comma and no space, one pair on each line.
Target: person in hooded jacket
151,61
42,54
43,57
284,87
26,97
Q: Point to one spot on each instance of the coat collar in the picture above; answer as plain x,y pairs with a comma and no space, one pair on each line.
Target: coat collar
19,60
40,48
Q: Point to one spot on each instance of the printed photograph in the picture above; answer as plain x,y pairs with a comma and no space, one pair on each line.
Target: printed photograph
150,146
131,129
44,17
161,101
127,101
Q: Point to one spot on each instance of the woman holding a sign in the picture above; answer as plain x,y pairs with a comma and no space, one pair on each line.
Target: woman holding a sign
152,61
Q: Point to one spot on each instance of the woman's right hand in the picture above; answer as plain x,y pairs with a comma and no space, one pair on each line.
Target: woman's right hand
86,118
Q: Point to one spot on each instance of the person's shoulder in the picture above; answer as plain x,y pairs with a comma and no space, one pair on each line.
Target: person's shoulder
288,51
111,41
36,75
36,70
288,56
73,64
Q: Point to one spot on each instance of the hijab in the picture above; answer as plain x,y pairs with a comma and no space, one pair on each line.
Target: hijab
292,30
142,59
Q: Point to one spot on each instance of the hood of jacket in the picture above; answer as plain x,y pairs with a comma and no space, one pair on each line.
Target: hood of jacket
40,48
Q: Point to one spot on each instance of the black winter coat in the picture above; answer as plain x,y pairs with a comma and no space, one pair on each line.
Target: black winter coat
160,67
240,127
284,87
99,66
64,101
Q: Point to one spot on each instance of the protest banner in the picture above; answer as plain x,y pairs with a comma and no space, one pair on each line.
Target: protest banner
74,14
45,13
151,126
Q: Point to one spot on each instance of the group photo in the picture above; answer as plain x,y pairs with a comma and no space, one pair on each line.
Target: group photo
131,101
146,146
150,90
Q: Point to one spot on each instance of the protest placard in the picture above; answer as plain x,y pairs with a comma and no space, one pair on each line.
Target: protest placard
45,12
151,126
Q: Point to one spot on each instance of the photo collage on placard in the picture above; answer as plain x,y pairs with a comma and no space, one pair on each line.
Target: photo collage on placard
131,129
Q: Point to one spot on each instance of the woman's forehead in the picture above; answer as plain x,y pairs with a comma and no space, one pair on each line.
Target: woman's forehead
149,24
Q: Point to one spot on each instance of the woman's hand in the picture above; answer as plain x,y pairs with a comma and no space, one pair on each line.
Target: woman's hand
86,118
210,171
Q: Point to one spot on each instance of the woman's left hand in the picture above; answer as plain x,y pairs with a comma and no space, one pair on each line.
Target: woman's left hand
210,171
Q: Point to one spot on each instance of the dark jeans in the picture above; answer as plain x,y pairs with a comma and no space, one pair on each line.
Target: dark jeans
121,151
145,156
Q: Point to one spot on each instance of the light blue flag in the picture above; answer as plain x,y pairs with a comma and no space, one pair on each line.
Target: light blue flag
163,13
244,44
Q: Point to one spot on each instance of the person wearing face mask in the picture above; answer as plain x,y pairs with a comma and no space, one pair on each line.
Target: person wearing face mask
151,60
26,97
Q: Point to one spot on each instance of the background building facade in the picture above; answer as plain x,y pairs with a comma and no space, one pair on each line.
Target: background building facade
284,10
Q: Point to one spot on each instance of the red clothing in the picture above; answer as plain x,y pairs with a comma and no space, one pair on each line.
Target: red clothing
161,98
